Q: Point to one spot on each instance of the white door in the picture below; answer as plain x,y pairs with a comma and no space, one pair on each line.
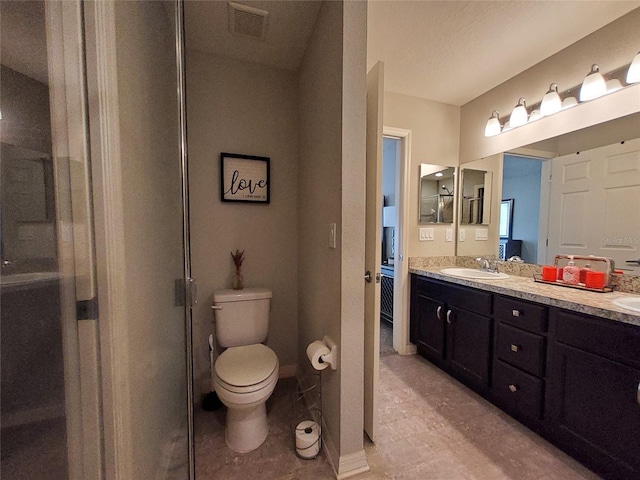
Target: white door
594,204
373,248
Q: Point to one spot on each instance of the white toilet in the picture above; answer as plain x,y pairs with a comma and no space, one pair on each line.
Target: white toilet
246,373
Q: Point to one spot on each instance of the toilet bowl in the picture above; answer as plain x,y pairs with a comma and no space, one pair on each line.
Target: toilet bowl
244,378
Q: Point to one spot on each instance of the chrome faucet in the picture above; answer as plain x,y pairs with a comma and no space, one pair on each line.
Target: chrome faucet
487,265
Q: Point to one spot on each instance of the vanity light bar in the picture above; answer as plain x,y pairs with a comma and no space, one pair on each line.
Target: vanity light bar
615,80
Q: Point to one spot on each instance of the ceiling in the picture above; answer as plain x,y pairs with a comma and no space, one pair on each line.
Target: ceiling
448,51
454,51
290,24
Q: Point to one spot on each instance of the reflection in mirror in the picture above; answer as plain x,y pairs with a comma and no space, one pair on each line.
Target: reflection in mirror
437,193
588,213
506,216
475,204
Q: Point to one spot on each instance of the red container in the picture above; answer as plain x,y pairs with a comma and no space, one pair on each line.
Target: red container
594,279
560,273
549,273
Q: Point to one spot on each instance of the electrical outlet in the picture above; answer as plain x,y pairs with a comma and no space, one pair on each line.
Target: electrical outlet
462,235
482,234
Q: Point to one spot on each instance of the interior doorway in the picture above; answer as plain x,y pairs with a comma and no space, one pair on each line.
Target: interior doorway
396,158
391,148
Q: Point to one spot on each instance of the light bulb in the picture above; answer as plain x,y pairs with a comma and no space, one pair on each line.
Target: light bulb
551,102
633,74
593,85
519,115
493,126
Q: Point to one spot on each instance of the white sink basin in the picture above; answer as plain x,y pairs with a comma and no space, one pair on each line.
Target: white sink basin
631,303
473,274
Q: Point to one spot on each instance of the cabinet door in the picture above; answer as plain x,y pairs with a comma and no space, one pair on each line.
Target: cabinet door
468,345
429,332
593,405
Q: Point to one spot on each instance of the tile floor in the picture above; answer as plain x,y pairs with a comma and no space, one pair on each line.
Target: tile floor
431,427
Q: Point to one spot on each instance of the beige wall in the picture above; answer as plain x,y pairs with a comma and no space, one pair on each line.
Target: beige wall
611,47
152,221
244,108
354,48
331,190
25,111
435,139
320,203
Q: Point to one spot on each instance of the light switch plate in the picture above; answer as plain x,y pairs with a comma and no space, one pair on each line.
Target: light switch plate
482,234
448,235
462,235
426,234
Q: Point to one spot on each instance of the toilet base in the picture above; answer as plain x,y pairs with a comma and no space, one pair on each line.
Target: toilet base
246,428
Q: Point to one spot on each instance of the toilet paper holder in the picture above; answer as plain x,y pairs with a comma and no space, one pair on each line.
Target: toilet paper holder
332,357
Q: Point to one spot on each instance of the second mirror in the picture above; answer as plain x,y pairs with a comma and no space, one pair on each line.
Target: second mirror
437,193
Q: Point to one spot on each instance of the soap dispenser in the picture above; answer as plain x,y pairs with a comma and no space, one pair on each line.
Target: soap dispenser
571,273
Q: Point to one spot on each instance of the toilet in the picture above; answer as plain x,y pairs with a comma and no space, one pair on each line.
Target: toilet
246,372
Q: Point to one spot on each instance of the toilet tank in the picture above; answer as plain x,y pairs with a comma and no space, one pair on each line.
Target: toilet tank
241,316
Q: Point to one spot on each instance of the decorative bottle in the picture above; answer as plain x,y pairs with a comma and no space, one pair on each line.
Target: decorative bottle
571,273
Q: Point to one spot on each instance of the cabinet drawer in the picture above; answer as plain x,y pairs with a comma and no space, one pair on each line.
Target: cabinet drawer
528,316
613,340
470,299
522,349
520,392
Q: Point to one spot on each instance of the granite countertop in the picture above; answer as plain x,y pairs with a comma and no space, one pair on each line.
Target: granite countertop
591,303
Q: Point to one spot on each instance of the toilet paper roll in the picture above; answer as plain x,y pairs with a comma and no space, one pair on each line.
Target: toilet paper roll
315,350
308,439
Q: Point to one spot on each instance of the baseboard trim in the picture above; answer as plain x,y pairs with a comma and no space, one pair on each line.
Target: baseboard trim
352,464
408,349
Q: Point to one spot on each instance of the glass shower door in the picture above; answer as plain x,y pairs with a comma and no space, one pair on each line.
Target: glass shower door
49,324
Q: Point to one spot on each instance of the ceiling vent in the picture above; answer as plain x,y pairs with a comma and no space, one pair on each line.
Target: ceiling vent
247,20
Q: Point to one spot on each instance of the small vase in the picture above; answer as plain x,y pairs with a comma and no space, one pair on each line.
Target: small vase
238,282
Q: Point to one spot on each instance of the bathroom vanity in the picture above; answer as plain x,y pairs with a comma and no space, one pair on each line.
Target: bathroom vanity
564,363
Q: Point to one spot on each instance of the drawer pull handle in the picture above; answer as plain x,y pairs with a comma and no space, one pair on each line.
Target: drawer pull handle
449,317
514,388
515,348
438,312
516,313
638,394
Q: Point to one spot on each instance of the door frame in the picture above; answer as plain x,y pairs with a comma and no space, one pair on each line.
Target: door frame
401,279
111,262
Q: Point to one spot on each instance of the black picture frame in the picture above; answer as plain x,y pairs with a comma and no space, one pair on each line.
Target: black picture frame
244,178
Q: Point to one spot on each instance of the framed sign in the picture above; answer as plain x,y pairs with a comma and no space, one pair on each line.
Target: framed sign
244,178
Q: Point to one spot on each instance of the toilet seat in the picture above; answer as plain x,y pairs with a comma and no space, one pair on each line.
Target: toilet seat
247,368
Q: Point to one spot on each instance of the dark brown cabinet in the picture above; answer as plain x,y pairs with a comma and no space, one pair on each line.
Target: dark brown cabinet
573,378
520,351
593,399
448,333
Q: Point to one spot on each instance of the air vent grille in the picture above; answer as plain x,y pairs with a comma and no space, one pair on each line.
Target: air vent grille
247,20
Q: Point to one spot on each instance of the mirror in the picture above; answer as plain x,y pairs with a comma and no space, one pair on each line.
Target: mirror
475,198
437,194
531,194
28,205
